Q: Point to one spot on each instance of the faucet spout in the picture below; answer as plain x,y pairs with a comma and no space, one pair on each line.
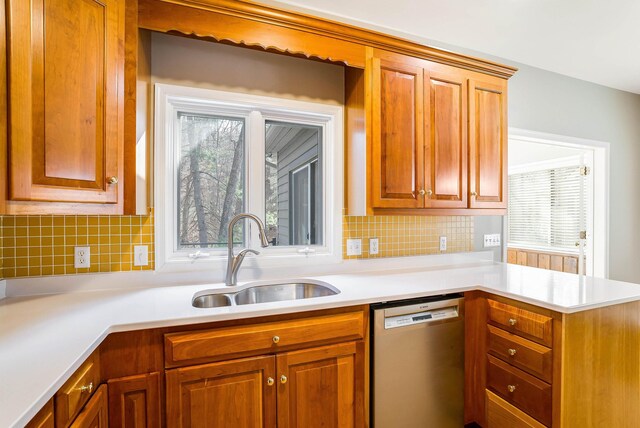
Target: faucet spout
234,262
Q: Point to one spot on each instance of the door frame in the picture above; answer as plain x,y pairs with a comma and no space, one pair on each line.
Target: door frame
601,181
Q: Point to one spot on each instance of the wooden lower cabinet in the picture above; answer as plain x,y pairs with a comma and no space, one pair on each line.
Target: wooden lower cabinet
317,387
501,414
238,393
320,387
134,401
44,418
95,413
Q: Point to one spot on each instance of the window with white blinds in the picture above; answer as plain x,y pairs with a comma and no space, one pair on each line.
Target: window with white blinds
548,208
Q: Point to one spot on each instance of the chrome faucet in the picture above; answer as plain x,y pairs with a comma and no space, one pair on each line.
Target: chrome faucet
234,262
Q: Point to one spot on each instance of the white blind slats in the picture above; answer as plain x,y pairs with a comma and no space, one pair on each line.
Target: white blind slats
547,208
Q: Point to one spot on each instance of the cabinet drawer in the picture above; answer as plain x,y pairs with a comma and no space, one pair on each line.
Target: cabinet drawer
256,339
524,391
531,357
501,414
76,391
524,323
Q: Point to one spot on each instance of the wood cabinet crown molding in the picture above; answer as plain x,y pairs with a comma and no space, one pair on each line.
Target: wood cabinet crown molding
152,16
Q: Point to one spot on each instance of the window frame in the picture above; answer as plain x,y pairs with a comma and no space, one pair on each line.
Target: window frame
257,110
554,164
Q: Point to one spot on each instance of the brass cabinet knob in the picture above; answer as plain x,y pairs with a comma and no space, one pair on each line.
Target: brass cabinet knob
429,192
86,388
421,192
511,388
512,321
276,339
511,351
112,180
474,193
283,379
270,381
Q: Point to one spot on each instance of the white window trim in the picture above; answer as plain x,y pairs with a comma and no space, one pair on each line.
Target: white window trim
170,98
601,166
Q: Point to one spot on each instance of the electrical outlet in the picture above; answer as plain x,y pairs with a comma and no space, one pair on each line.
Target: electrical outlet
82,257
443,243
354,247
373,246
140,255
492,240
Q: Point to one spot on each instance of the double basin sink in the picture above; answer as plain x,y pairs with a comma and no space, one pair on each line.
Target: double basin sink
273,292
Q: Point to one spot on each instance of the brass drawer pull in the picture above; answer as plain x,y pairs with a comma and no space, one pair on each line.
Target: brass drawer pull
86,388
511,351
511,388
512,321
276,339
283,379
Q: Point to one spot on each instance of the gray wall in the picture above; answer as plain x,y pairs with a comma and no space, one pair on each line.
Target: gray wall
548,102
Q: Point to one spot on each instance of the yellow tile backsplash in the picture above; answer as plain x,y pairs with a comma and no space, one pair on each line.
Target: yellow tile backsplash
41,245
408,235
44,245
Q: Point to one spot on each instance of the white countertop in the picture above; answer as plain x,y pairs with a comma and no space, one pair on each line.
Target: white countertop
44,338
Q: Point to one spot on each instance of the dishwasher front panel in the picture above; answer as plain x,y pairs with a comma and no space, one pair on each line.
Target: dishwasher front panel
418,364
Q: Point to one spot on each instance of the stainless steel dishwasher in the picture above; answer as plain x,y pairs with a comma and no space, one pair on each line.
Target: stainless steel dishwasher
418,363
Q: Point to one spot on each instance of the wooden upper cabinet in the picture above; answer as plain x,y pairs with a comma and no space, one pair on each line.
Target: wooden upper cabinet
65,62
321,387
396,100
239,393
445,138
488,143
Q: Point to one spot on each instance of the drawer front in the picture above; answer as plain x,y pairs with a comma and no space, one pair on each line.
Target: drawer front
518,321
232,342
529,356
501,414
76,391
524,391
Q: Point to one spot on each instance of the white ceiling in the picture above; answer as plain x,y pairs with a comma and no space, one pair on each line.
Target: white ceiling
593,40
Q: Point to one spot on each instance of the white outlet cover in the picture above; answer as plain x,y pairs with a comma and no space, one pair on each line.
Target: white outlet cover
140,255
443,243
82,257
492,240
373,246
354,247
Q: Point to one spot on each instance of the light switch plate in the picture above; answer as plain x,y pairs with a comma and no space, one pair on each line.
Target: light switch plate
443,243
82,257
140,255
492,240
354,247
373,246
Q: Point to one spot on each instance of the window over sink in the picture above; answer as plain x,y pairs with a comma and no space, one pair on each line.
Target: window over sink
220,153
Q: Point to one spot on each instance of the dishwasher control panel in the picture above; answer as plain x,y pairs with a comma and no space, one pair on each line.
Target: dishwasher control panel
421,317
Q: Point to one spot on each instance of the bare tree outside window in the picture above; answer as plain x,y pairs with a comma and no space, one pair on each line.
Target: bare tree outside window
210,179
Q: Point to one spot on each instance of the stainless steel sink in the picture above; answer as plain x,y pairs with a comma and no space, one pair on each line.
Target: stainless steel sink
211,301
264,293
282,292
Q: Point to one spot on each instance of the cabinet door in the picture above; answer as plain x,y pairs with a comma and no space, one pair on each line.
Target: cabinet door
488,143
65,96
237,393
321,387
44,418
134,401
95,412
445,138
397,133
